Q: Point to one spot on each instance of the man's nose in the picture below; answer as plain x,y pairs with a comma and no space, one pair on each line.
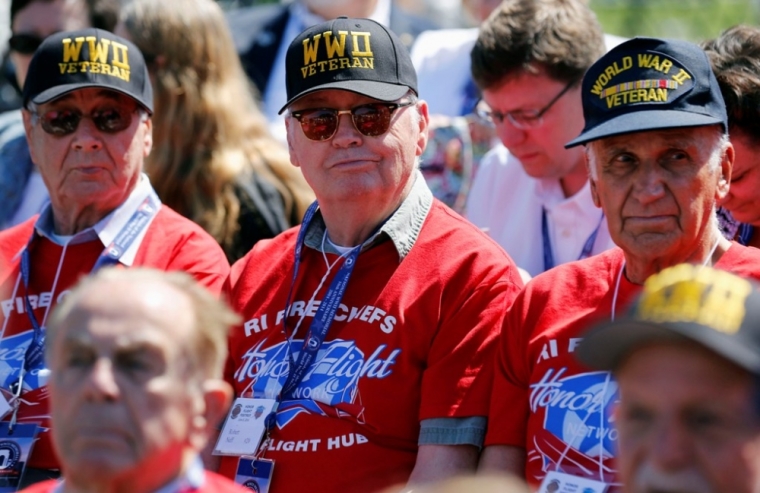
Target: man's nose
87,137
101,381
346,134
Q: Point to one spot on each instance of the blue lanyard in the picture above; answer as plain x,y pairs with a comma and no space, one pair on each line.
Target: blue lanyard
35,352
588,247
745,233
325,315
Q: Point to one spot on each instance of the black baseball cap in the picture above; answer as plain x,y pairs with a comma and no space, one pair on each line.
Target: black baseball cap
649,84
357,55
72,60
714,308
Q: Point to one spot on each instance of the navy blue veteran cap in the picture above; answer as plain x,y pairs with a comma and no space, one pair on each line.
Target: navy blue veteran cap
649,84
711,307
357,55
72,60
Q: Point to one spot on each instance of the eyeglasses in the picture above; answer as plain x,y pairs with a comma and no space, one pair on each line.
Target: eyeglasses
25,44
370,120
521,118
65,122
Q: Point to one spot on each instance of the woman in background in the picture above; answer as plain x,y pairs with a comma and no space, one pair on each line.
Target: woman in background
213,159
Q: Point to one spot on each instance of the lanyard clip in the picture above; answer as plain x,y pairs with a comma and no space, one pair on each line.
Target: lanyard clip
16,388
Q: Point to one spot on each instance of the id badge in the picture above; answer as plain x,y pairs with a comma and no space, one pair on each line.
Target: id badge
244,427
255,474
15,448
559,482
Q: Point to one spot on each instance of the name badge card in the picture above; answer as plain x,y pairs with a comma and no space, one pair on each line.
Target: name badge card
244,427
558,482
255,474
15,448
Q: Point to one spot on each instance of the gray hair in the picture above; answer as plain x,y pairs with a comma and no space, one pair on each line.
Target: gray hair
213,318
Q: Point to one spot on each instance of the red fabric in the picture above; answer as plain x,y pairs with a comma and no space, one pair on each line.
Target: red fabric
542,398
171,243
213,483
407,343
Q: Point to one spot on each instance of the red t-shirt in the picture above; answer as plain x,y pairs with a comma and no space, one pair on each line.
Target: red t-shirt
170,243
213,483
407,342
543,399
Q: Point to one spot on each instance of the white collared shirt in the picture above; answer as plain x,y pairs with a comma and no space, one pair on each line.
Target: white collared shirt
508,203
107,228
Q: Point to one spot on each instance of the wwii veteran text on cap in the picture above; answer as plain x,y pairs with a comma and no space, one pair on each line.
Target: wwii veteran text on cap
72,60
649,84
357,55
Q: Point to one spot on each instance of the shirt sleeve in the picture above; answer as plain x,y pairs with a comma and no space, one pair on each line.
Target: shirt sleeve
452,386
453,431
509,410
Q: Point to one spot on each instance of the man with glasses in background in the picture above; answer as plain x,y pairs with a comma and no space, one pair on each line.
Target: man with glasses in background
365,331
531,194
87,116
22,191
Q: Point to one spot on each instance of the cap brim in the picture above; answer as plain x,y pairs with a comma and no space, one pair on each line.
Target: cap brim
381,91
58,91
607,345
643,120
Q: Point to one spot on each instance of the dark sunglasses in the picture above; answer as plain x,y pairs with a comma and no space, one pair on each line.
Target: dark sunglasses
25,44
371,119
65,122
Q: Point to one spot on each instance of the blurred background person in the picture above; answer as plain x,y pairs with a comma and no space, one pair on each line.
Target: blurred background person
531,194
686,358
22,192
262,35
213,159
735,59
137,390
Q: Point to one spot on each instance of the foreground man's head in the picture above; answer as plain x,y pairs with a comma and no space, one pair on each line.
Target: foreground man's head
136,360
686,359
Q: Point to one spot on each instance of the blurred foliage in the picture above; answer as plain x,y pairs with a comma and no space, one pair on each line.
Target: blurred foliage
694,20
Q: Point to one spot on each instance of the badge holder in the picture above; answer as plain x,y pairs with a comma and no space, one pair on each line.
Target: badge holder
16,442
245,426
255,473
559,482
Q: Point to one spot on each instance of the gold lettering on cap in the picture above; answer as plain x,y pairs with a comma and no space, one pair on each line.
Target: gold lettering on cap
367,51
335,45
99,50
71,50
689,293
681,77
120,56
98,62
310,49
614,69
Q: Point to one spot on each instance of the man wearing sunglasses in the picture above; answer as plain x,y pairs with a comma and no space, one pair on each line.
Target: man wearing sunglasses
369,325
531,194
87,116
22,191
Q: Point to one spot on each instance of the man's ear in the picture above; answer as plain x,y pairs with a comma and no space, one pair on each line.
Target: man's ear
29,129
148,138
423,124
217,396
726,169
289,137
592,181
